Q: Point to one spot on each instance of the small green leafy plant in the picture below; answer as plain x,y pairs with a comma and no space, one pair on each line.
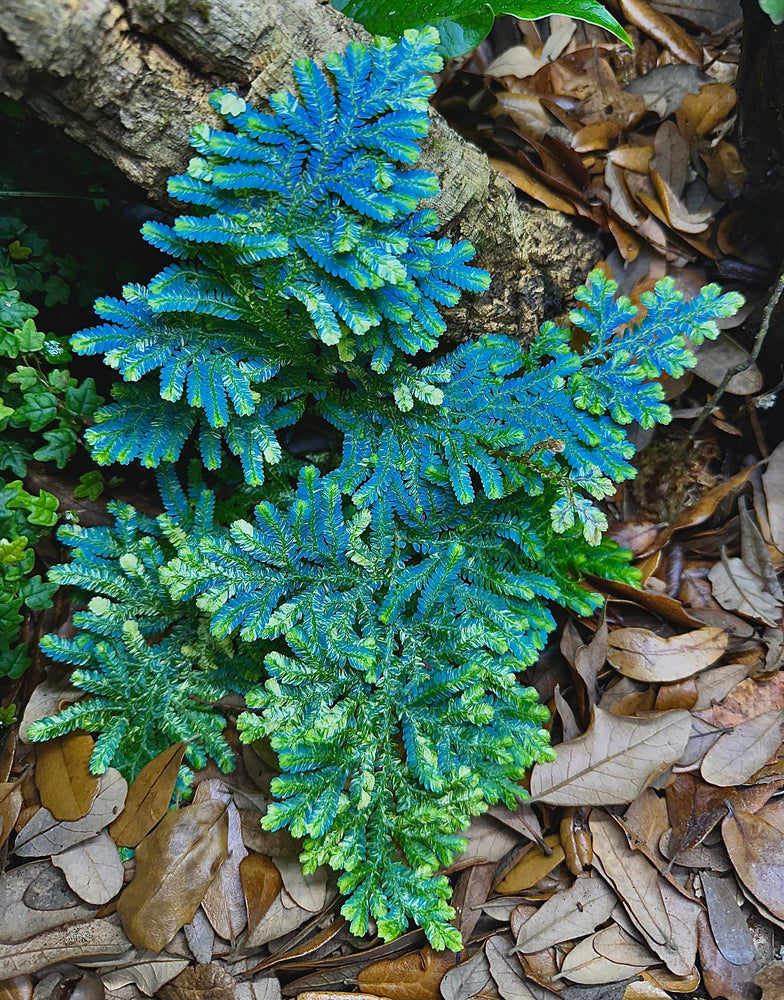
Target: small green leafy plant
391,572
42,412
464,24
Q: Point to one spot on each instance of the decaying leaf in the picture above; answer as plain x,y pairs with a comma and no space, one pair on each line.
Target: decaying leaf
175,865
773,484
307,891
415,976
224,900
613,761
148,797
78,940
65,784
737,755
201,982
645,656
728,922
756,848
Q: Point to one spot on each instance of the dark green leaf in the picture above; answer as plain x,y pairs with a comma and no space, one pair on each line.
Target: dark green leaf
82,400
463,24
61,445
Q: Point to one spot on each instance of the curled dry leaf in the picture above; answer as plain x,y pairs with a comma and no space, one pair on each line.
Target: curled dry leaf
92,868
756,849
44,835
736,756
148,797
663,29
571,913
65,784
175,865
415,976
533,866
645,656
224,900
261,884
613,761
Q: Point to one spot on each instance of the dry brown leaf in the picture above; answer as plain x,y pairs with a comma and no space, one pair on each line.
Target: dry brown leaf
10,807
716,357
640,990
489,838
415,976
700,113
44,835
92,868
634,878
17,988
78,940
715,684
738,588
224,901
467,979
663,29
645,656
613,761
747,700
609,956
149,975
506,970
472,889
568,914
175,865
634,158
727,920
200,937
533,866
35,898
533,187
200,982
575,839
148,797
695,808
736,756
720,977
261,884
773,484
307,891
62,775
771,981
277,921
756,849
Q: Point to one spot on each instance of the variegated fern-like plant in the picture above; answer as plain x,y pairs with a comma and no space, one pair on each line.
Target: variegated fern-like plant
378,602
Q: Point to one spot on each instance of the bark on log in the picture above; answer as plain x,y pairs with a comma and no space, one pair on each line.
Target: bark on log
130,79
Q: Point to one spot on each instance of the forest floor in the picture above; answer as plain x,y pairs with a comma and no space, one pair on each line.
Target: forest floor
649,862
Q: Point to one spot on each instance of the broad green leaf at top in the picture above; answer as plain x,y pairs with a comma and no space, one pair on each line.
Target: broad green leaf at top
463,24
